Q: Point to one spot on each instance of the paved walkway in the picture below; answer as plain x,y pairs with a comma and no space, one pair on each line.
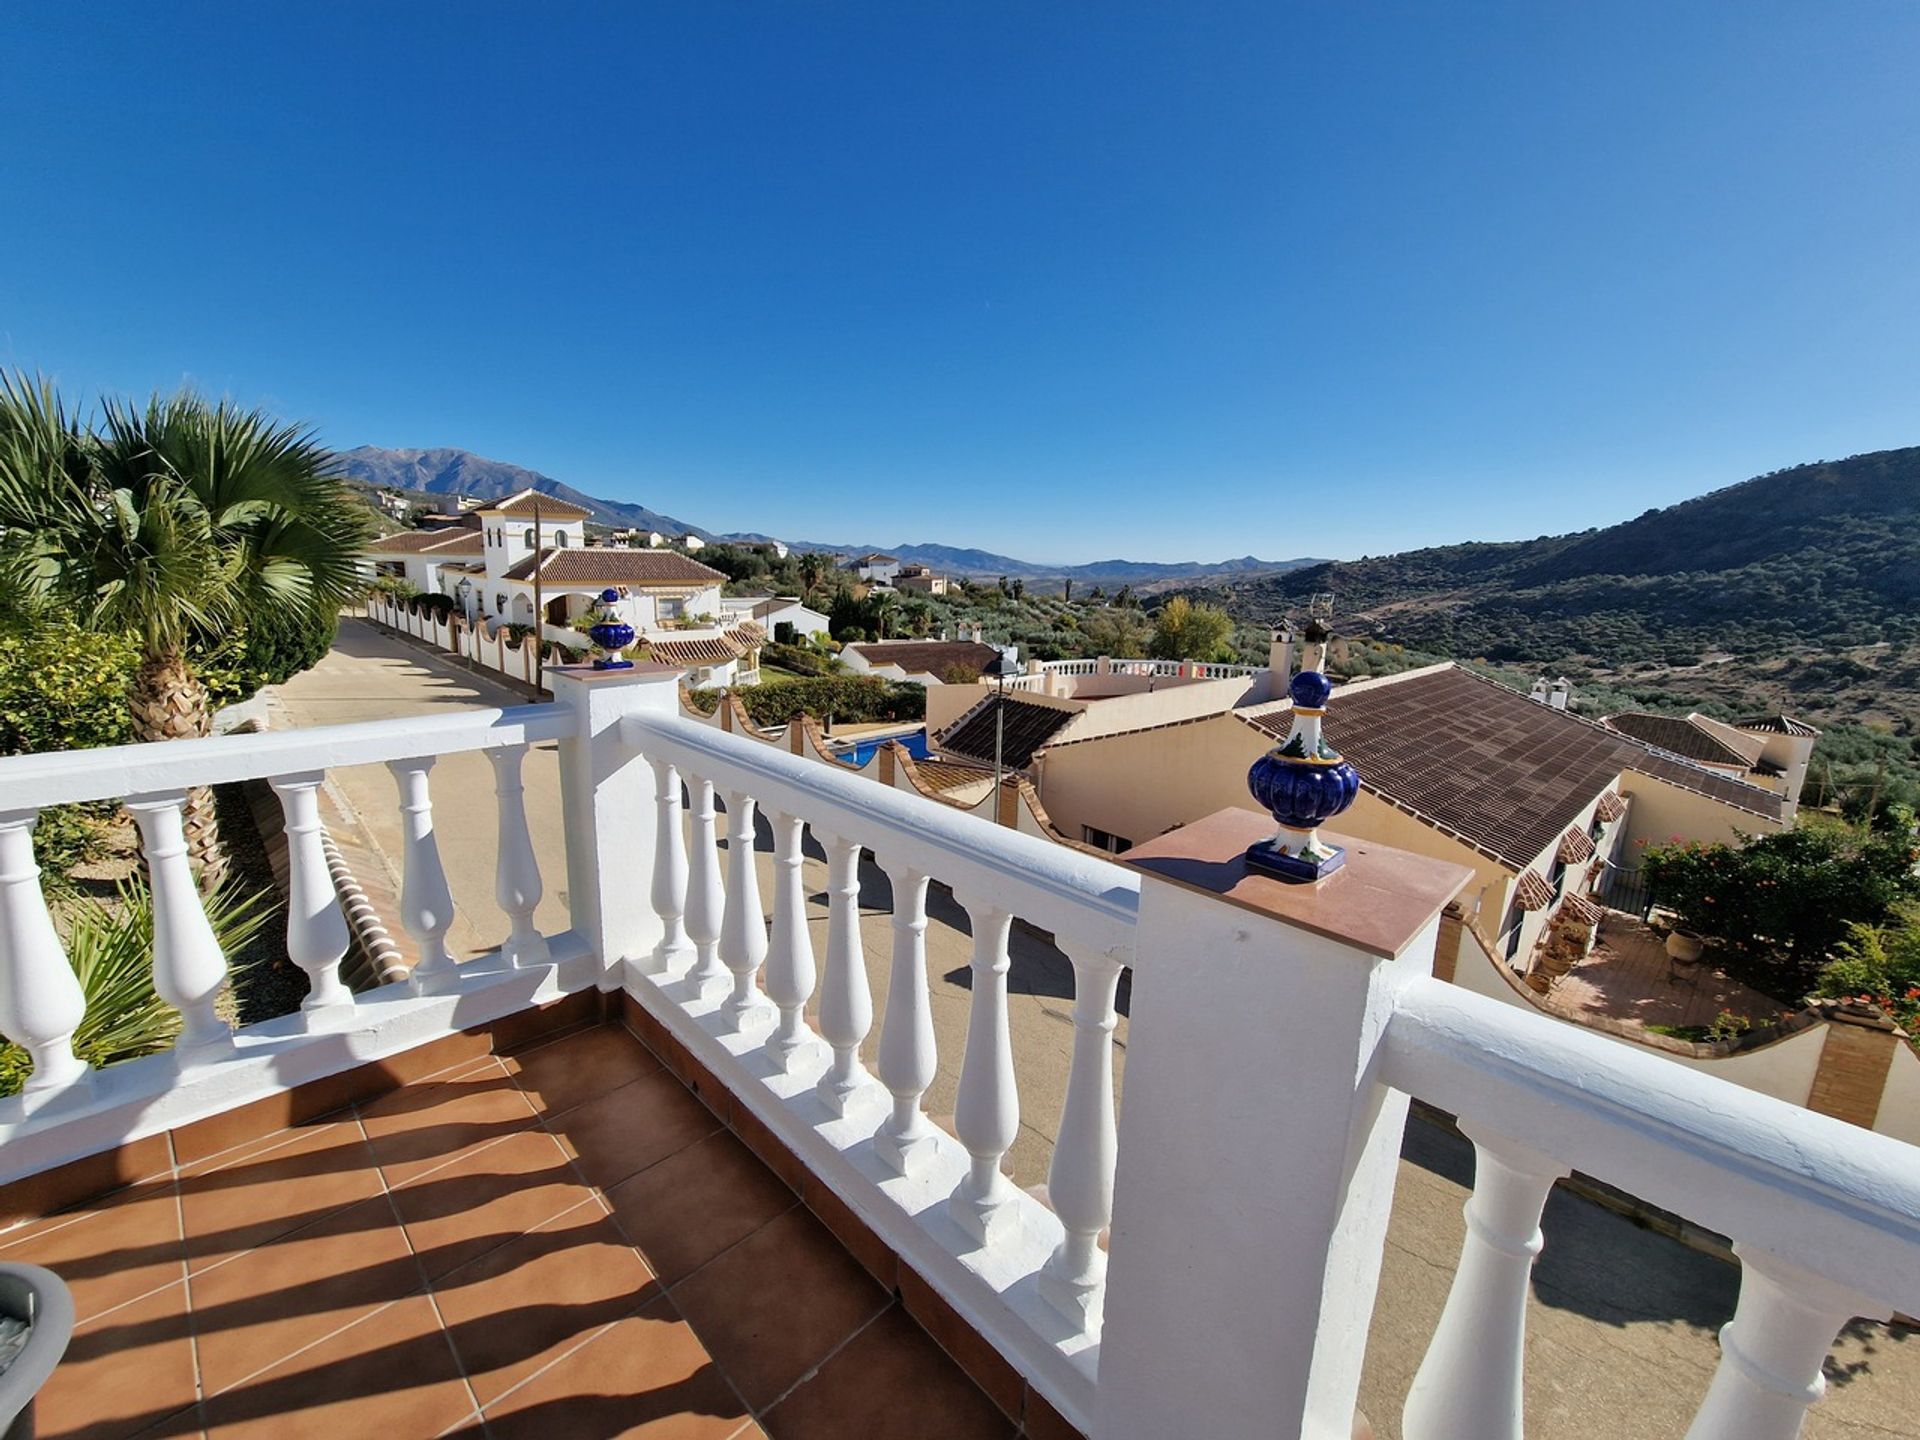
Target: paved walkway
1622,1325
1628,977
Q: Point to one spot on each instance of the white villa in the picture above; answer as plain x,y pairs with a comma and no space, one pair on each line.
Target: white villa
772,611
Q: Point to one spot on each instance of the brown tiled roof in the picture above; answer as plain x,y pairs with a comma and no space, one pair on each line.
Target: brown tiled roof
712,650
570,566
929,657
749,633
442,540
1611,806
1578,907
1678,734
552,507
944,775
1575,847
1025,729
1533,892
1778,725
1506,773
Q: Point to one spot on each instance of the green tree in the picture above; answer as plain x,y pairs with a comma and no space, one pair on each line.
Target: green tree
1186,631
174,524
1122,634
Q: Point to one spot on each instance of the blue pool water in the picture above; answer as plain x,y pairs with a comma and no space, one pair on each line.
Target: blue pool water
859,754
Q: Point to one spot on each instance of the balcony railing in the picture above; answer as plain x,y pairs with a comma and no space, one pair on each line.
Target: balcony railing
1206,1263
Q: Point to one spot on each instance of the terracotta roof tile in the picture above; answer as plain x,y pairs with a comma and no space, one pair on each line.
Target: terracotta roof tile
1025,728
552,507
592,566
1578,907
1611,806
1533,892
442,540
1678,734
1778,725
928,657
1575,847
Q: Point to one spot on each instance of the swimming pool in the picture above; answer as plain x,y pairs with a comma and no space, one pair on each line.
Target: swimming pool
862,751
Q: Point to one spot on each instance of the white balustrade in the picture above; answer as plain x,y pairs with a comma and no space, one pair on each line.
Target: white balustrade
426,904
846,1004
1080,1178
41,1002
516,883
189,968
743,928
669,872
1472,1381
317,934
986,1113
908,1059
705,898
790,972
1773,1351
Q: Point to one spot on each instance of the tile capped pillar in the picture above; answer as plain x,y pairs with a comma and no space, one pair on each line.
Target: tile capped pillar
1257,1153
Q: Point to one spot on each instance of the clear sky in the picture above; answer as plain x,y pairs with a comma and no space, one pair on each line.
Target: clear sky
1068,281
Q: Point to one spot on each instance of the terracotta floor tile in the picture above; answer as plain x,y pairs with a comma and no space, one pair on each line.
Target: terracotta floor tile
777,1303
891,1380
260,1308
125,1373
688,1208
269,1190
526,1304
124,1247
422,1127
460,1211
580,1067
391,1375
628,1129
646,1376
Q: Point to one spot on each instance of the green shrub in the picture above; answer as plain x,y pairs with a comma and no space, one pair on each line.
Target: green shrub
848,699
110,946
63,688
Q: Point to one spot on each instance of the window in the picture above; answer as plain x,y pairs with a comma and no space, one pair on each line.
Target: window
560,539
1558,875
1516,918
500,603
527,539
1102,840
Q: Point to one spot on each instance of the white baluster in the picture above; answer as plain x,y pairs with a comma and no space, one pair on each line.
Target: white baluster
1773,1350
317,934
41,1002
426,904
743,929
189,968
846,1003
705,898
1472,1380
986,1113
1080,1179
908,1059
516,881
790,973
669,872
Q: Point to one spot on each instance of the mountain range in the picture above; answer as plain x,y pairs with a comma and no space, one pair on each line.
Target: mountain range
447,471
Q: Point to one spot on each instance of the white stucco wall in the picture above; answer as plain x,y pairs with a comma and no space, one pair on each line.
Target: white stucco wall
1899,1114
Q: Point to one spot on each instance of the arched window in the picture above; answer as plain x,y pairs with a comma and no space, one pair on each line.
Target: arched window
527,540
560,539
500,603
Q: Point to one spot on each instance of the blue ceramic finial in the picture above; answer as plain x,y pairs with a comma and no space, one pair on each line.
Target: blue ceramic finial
1303,782
611,634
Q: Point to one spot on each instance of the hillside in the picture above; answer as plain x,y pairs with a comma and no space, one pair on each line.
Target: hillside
1801,587
1141,574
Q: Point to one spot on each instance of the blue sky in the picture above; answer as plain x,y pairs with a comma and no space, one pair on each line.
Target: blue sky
1066,281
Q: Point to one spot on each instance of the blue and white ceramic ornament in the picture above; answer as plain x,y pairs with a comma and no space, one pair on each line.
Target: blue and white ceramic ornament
1303,782
611,634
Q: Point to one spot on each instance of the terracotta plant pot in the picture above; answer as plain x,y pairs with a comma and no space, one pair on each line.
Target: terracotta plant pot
1684,945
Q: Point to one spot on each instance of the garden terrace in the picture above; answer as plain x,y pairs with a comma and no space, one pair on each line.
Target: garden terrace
667,1163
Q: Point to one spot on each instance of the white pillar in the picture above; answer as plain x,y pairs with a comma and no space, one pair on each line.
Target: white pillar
516,882
606,795
317,934
706,899
426,904
846,1004
908,1059
1772,1351
1472,1381
669,873
790,972
1258,1148
1080,1178
189,968
41,1002
743,929
986,1112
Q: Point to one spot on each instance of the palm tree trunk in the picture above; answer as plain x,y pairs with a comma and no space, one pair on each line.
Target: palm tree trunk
169,703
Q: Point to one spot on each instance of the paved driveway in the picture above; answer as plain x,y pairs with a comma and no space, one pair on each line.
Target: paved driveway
1621,1328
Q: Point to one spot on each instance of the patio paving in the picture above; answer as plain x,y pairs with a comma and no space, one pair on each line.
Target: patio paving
1628,978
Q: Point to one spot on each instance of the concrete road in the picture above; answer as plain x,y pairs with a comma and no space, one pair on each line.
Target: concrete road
1622,1323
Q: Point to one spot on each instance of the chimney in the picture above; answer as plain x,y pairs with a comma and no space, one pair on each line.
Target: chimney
976,636
1279,661
1558,698
1538,694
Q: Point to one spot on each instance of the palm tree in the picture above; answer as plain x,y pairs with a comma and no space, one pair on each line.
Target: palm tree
173,524
885,604
813,569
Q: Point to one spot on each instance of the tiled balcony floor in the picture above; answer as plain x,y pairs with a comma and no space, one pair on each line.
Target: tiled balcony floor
559,1243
